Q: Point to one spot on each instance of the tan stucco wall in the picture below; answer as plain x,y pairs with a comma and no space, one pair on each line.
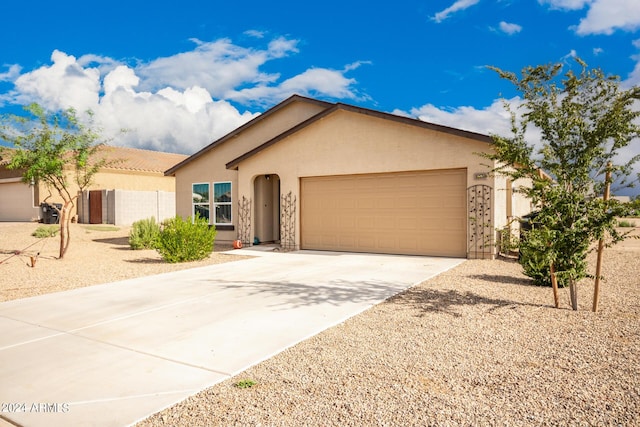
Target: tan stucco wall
17,201
501,201
132,180
113,179
351,143
211,166
344,142
105,179
521,204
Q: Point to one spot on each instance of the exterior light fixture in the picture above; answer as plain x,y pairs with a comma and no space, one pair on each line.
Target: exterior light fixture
481,175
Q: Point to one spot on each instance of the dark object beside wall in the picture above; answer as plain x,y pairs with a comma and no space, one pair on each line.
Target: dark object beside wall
50,213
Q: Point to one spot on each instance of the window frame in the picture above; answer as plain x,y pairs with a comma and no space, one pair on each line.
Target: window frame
216,204
194,204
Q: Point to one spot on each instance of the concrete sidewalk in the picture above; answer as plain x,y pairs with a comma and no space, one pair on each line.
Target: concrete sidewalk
113,354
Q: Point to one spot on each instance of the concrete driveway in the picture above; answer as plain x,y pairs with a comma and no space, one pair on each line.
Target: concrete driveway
113,354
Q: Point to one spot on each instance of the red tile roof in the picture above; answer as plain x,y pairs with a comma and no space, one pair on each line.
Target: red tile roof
126,158
135,159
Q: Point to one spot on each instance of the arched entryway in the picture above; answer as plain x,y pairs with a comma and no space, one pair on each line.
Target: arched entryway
266,190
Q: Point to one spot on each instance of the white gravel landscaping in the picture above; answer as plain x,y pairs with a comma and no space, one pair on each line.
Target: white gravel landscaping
477,345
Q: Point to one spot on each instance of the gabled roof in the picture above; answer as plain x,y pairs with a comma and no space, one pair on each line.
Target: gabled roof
250,123
5,155
359,110
138,160
124,159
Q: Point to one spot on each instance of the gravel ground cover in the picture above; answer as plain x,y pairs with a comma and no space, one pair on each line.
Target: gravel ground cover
97,254
477,345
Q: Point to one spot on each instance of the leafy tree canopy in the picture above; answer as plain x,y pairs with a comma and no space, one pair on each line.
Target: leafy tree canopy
54,149
585,119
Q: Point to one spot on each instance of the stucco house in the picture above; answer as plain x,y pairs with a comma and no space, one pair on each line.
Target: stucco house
131,186
309,174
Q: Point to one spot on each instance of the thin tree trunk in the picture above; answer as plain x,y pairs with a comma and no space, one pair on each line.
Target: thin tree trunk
596,289
63,232
554,285
573,292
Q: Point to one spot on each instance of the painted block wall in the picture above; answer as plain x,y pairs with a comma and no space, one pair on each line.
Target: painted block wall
124,207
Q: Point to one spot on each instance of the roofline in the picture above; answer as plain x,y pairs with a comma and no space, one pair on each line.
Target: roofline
360,110
238,130
417,122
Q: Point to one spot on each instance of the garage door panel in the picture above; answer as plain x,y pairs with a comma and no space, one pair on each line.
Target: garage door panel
406,203
407,223
411,213
17,202
366,203
346,223
366,241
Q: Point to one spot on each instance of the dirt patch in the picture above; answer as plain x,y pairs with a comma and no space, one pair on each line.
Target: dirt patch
96,255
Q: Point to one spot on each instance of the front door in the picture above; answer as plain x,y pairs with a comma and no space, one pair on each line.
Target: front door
267,208
95,207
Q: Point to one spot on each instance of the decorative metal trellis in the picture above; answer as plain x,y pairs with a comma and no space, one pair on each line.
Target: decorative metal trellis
244,220
481,230
288,222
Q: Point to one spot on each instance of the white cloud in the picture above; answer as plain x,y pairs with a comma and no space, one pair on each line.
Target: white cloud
509,28
312,82
281,47
218,66
255,33
606,16
566,4
355,65
12,73
168,120
496,120
634,76
62,85
493,119
603,16
101,63
455,7
571,55
121,78
178,103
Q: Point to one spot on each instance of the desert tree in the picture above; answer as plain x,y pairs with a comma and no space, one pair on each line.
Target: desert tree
54,149
585,120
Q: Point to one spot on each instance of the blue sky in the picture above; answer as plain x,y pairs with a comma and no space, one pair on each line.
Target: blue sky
178,75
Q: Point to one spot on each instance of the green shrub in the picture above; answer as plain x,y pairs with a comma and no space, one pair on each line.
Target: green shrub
508,242
626,224
46,231
144,234
246,383
536,256
189,240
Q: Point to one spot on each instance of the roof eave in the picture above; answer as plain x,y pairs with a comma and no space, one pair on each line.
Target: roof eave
233,164
238,130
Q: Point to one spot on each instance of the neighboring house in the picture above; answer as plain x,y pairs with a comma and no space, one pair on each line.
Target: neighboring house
316,175
131,186
18,201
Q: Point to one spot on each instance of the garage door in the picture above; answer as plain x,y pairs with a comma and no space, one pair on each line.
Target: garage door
415,213
16,202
